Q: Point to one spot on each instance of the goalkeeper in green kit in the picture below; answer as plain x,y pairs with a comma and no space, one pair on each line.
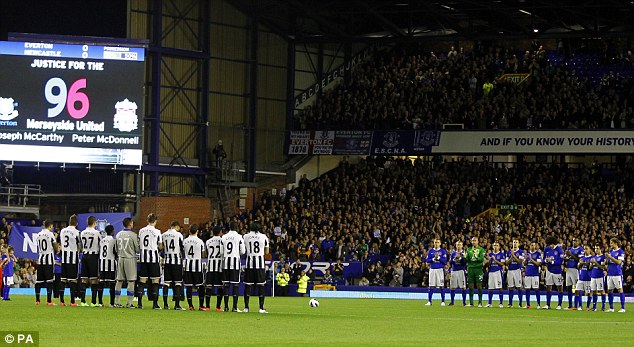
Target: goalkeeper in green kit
475,259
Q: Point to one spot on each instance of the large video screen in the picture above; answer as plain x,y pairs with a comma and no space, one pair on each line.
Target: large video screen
71,103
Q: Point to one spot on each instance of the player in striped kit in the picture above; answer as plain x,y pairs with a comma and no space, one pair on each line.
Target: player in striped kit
257,246
514,261
90,239
173,268
215,257
194,249
107,265
615,259
150,242
71,246
232,245
496,263
46,249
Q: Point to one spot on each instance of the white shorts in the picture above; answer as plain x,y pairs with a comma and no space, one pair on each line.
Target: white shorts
553,279
458,280
495,280
514,278
615,282
7,281
596,284
583,286
531,282
572,276
437,278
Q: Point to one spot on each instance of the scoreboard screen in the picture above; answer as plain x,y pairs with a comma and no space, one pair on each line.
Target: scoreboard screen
71,103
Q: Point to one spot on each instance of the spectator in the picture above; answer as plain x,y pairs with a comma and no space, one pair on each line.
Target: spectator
364,282
302,283
282,279
337,271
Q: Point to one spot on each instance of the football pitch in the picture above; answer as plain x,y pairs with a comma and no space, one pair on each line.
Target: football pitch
337,322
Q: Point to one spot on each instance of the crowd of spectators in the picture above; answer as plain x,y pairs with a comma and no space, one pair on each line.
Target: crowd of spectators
396,207
401,89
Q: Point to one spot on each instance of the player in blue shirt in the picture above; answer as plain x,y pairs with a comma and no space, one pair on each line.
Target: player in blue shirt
7,262
531,277
514,261
573,253
615,258
583,284
553,258
437,258
458,278
496,261
597,266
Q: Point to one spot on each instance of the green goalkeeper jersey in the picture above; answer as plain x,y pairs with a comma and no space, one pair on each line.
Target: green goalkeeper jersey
475,258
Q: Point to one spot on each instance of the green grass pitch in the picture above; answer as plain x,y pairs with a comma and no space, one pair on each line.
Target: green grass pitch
337,322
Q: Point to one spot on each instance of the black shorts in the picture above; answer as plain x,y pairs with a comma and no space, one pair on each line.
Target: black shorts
231,276
90,266
45,273
70,272
214,279
151,270
172,273
193,278
107,276
254,276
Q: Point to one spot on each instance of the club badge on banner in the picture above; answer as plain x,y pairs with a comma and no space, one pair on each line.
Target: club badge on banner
103,219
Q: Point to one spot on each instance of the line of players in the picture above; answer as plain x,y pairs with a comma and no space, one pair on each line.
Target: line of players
211,268
586,270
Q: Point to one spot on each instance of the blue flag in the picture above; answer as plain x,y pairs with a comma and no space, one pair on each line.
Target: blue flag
23,240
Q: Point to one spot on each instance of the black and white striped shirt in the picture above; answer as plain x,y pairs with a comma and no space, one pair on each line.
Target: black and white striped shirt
232,248
149,240
215,255
107,260
45,240
90,238
70,243
194,248
173,243
255,244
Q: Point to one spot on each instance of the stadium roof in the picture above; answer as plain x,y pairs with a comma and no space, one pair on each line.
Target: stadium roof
396,20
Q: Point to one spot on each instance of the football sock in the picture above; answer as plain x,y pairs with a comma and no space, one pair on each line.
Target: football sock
73,291
261,295
208,293
82,291
452,294
501,297
548,295
539,299
188,291
247,292
588,301
560,298
117,293
111,292
218,297
442,295
49,291
178,294
570,297
511,294
38,289
155,290
165,294
100,292
519,295
471,296
603,301
464,296
611,300
430,293
130,290
594,300
528,297
235,296
141,291
60,291
480,296
621,297
490,296
201,296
